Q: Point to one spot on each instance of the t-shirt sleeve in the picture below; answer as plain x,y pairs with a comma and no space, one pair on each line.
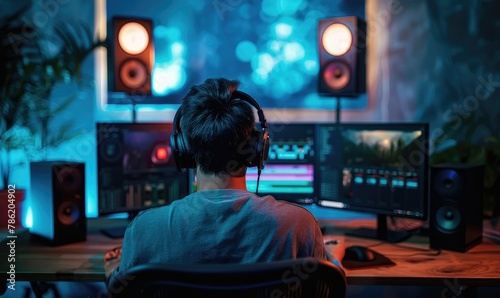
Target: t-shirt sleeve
129,249
319,246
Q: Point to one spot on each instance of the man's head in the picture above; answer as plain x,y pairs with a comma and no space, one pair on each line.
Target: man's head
217,127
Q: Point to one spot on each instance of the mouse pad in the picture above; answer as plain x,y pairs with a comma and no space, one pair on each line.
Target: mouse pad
379,261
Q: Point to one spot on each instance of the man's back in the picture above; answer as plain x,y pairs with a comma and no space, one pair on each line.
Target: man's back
215,133
222,226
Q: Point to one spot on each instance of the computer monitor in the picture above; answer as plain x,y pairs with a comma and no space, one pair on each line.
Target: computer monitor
289,171
136,169
380,168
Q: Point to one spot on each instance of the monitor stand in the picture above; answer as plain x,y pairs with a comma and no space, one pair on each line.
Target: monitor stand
118,231
381,232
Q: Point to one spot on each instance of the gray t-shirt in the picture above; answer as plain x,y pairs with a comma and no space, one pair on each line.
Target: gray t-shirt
221,226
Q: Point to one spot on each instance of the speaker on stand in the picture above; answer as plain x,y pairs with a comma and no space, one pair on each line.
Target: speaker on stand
131,58
342,58
456,206
58,202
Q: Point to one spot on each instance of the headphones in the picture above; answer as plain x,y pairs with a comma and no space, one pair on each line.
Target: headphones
259,139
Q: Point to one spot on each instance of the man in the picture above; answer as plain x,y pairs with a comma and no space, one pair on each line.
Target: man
221,222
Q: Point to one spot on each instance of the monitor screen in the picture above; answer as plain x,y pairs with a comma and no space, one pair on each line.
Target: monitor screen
135,167
289,171
380,168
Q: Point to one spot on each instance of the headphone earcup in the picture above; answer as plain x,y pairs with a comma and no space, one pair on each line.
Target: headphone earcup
182,156
266,143
259,144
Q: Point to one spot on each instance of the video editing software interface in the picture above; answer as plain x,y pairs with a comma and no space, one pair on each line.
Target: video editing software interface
289,171
136,169
378,168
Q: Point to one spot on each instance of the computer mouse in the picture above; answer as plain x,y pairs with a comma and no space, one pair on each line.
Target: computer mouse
359,254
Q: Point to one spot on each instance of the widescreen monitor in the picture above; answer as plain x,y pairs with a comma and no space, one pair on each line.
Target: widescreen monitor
380,168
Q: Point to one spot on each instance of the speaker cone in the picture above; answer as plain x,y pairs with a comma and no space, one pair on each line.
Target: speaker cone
133,38
337,39
448,183
70,179
68,213
337,75
448,218
133,74
111,149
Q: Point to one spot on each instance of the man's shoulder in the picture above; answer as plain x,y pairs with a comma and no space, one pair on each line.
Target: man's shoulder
159,212
292,210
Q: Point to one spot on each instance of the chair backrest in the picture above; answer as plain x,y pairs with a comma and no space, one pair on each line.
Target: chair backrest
305,277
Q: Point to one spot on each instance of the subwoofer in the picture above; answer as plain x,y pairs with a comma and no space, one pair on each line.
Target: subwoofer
58,202
456,206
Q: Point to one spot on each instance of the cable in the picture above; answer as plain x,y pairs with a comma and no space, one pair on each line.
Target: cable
337,111
406,224
424,251
258,180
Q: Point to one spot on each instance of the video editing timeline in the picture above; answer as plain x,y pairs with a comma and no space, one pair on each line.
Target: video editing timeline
136,169
379,168
289,171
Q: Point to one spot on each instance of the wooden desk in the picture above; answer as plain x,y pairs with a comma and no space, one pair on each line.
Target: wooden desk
480,266
84,261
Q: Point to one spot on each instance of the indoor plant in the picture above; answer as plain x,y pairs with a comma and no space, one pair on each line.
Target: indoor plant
32,63
16,134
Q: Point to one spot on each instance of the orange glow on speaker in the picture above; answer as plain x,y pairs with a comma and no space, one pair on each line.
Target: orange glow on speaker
133,38
337,39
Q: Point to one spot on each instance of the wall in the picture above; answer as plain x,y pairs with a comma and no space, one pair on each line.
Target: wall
435,61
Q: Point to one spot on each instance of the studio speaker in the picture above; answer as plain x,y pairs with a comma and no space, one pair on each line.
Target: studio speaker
342,56
58,202
456,206
132,55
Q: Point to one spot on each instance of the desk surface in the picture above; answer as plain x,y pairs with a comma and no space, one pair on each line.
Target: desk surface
417,264
83,261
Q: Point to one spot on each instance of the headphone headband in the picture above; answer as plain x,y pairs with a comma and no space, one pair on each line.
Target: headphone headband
244,96
260,143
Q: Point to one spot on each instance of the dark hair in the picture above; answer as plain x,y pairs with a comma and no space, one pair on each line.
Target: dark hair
215,126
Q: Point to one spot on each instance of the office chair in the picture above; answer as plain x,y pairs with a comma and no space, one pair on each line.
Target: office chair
305,277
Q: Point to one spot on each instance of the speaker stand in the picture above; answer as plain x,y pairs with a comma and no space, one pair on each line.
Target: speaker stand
337,111
134,111
381,232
